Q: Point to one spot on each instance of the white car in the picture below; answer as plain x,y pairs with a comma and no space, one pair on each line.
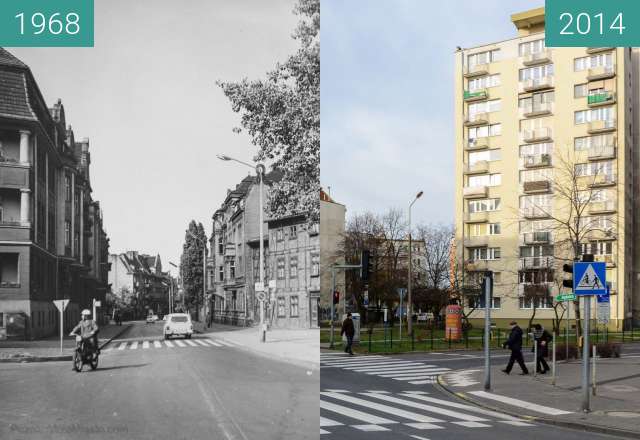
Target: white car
178,324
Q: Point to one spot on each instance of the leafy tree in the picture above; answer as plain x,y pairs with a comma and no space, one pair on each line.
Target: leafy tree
191,265
282,116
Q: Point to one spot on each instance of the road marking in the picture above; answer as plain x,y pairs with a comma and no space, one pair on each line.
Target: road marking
349,360
433,372
417,437
415,392
354,413
201,343
157,344
421,377
424,382
134,345
145,344
180,343
328,422
370,428
457,405
516,423
429,408
386,364
331,390
193,344
394,368
322,431
122,346
382,408
520,403
225,343
377,391
215,344
168,344
424,426
472,424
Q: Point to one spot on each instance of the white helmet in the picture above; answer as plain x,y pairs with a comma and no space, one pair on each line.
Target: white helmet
85,312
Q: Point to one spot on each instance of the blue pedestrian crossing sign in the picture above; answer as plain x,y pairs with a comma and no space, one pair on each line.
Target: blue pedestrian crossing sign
589,278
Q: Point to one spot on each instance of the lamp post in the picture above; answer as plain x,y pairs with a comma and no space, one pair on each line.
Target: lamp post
409,302
204,265
260,171
171,292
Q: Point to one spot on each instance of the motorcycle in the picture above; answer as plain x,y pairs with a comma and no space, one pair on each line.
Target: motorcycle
84,355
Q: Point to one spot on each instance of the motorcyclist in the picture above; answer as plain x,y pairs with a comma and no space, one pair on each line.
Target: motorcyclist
87,329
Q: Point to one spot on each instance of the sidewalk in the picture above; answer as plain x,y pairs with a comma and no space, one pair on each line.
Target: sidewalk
295,346
614,410
42,350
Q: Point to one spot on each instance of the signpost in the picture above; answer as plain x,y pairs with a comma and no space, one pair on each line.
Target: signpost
488,292
566,297
61,304
401,292
589,279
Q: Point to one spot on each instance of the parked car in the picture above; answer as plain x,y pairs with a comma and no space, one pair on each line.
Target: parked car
178,324
151,319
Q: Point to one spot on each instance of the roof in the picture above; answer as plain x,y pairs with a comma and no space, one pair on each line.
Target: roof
7,59
526,19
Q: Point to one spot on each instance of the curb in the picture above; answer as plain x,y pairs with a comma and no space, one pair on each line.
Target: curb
61,357
441,384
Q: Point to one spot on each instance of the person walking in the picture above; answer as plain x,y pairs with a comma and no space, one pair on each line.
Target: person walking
348,330
514,343
542,339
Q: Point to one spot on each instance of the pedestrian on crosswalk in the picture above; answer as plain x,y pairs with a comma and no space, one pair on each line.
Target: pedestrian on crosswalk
348,330
514,343
542,339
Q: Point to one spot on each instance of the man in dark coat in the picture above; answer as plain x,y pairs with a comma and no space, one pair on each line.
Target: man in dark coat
348,330
542,340
515,345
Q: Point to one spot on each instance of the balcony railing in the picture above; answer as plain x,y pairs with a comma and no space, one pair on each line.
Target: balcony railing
604,152
603,98
477,95
479,167
476,217
537,289
537,160
537,237
476,241
609,259
536,186
601,126
477,119
601,180
529,85
608,206
598,49
479,143
471,192
541,57
542,108
9,284
537,262
534,213
477,265
601,72
476,70
536,134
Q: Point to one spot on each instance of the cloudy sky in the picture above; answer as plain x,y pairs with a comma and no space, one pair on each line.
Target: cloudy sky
146,97
387,97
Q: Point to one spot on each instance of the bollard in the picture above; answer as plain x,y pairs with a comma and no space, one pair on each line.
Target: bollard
391,336
498,332
553,362
412,342
535,357
449,339
370,331
593,371
432,336
466,338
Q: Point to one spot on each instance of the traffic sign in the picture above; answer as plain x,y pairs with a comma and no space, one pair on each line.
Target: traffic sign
589,278
261,296
604,309
566,297
61,304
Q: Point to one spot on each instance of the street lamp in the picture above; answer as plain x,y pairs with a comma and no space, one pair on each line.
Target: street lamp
409,303
204,264
171,293
260,171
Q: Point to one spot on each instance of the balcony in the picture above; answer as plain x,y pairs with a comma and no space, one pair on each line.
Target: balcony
543,108
533,84
536,135
599,153
535,289
479,167
476,217
476,70
605,207
596,127
598,49
608,234
536,187
230,250
601,180
13,175
15,231
536,161
609,259
478,95
476,119
479,143
476,265
475,192
598,99
601,72
476,241
538,237
534,59
534,213
537,262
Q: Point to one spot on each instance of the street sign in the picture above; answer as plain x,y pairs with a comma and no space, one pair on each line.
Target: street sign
604,309
589,278
365,300
566,297
98,303
61,304
261,296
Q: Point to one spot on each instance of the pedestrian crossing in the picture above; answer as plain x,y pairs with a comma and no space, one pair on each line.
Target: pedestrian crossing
167,344
408,411
414,372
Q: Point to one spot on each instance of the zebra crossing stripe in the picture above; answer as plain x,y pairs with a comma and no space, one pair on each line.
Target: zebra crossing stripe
382,408
378,365
422,377
516,423
394,368
168,344
423,382
193,344
328,422
180,344
215,344
472,424
370,428
201,343
133,345
322,431
145,344
122,346
354,413
415,372
352,360
429,408
520,403
157,344
422,426
228,344
471,408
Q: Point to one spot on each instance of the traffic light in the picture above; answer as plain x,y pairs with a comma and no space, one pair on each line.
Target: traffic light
587,258
365,265
568,268
336,297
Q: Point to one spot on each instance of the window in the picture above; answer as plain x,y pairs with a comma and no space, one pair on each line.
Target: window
595,169
494,228
220,273
480,302
543,250
541,303
281,265
531,47
599,141
315,265
67,233
536,149
484,253
232,268
484,82
536,72
67,188
580,91
293,232
234,300
597,248
485,180
293,267
594,114
529,226
483,57
220,244
488,155
536,175
482,229
484,205
315,229
484,131
493,105
535,102
279,235
583,63
281,307
294,306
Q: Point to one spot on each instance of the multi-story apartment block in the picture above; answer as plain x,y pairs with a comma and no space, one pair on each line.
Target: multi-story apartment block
529,122
332,226
52,240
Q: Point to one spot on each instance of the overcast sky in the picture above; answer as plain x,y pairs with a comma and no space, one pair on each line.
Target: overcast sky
387,97
146,97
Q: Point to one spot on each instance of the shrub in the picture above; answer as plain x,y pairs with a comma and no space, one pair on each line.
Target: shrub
608,349
561,351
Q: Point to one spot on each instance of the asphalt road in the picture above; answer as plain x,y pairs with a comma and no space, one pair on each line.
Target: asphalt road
149,390
393,397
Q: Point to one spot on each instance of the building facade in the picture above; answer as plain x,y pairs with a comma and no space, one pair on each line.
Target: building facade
52,239
332,227
535,127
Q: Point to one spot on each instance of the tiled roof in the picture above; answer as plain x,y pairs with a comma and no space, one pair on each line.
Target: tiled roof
15,101
6,59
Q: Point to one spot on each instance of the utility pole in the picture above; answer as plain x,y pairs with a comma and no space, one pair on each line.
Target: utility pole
409,281
488,285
